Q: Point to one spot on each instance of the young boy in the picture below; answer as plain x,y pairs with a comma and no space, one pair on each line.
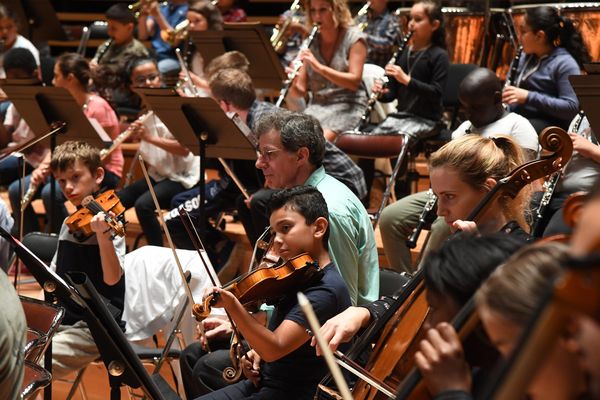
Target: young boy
77,168
122,44
299,221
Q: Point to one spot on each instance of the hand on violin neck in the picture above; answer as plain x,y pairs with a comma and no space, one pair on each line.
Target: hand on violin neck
99,225
251,367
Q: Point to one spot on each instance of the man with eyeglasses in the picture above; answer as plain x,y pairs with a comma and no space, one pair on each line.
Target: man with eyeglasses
171,166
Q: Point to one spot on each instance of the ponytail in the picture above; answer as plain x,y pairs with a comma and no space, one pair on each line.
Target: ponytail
559,31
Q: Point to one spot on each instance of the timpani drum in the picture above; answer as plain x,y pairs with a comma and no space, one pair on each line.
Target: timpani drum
585,17
465,32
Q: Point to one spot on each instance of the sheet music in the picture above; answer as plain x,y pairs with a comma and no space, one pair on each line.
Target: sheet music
100,130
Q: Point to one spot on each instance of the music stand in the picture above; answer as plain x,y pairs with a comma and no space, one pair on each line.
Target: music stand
250,39
41,106
587,88
124,367
200,124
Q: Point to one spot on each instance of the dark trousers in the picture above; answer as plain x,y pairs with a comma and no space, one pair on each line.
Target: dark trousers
137,195
202,372
256,218
246,390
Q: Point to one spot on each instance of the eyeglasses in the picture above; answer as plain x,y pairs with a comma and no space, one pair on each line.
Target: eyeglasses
265,155
323,10
142,79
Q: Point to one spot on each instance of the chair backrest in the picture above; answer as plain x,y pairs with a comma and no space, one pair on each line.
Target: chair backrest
42,316
43,245
34,346
34,379
456,74
391,281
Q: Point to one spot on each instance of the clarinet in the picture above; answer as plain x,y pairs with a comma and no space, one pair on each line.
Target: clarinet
512,72
102,50
364,120
296,65
549,187
424,219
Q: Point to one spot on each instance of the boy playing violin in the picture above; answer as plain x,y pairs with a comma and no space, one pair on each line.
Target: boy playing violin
78,170
281,363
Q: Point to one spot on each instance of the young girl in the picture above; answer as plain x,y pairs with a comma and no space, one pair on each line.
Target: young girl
171,166
418,78
332,69
553,50
72,72
203,16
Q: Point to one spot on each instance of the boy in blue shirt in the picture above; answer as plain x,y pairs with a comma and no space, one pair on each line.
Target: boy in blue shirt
281,363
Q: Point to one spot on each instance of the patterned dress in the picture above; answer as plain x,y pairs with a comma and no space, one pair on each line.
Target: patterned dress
336,108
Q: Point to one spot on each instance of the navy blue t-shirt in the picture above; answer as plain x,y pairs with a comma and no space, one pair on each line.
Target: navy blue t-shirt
302,369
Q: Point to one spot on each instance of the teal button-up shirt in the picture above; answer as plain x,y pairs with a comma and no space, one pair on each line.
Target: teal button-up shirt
351,238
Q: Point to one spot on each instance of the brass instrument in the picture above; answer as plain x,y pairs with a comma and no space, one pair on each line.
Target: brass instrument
364,11
278,38
296,65
364,120
178,33
137,6
549,188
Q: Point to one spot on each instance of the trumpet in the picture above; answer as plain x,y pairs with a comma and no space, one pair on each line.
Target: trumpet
178,33
137,6
364,10
296,65
278,36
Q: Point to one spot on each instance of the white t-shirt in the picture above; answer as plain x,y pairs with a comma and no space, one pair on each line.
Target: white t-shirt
511,124
21,42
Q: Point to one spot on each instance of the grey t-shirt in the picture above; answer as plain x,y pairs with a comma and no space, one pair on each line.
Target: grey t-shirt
12,340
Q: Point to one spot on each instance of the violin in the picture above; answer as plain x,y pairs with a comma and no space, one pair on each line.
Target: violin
106,202
264,284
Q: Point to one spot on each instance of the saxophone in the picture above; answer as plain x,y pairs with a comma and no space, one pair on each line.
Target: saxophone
364,120
549,187
296,65
278,36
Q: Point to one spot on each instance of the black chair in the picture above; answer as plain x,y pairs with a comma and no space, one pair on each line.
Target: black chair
391,281
43,245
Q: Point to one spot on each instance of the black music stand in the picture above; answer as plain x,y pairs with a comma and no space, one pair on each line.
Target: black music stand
200,124
250,39
122,363
587,88
41,106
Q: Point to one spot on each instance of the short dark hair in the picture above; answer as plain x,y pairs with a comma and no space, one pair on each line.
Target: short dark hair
233,86
464,261
120,12
67,154
19,58
306,201
297,130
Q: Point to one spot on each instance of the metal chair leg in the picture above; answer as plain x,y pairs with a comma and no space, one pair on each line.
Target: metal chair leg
386,194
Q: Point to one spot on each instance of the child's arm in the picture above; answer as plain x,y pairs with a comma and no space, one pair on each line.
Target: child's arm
270,345
111,265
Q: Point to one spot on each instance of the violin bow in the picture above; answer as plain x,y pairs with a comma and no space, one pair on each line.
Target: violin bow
237,349
186,286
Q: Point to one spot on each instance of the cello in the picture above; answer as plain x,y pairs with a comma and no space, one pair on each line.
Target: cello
401,326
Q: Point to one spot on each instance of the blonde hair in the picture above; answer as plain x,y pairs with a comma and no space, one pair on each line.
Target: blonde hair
476,159
515,289
341,13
